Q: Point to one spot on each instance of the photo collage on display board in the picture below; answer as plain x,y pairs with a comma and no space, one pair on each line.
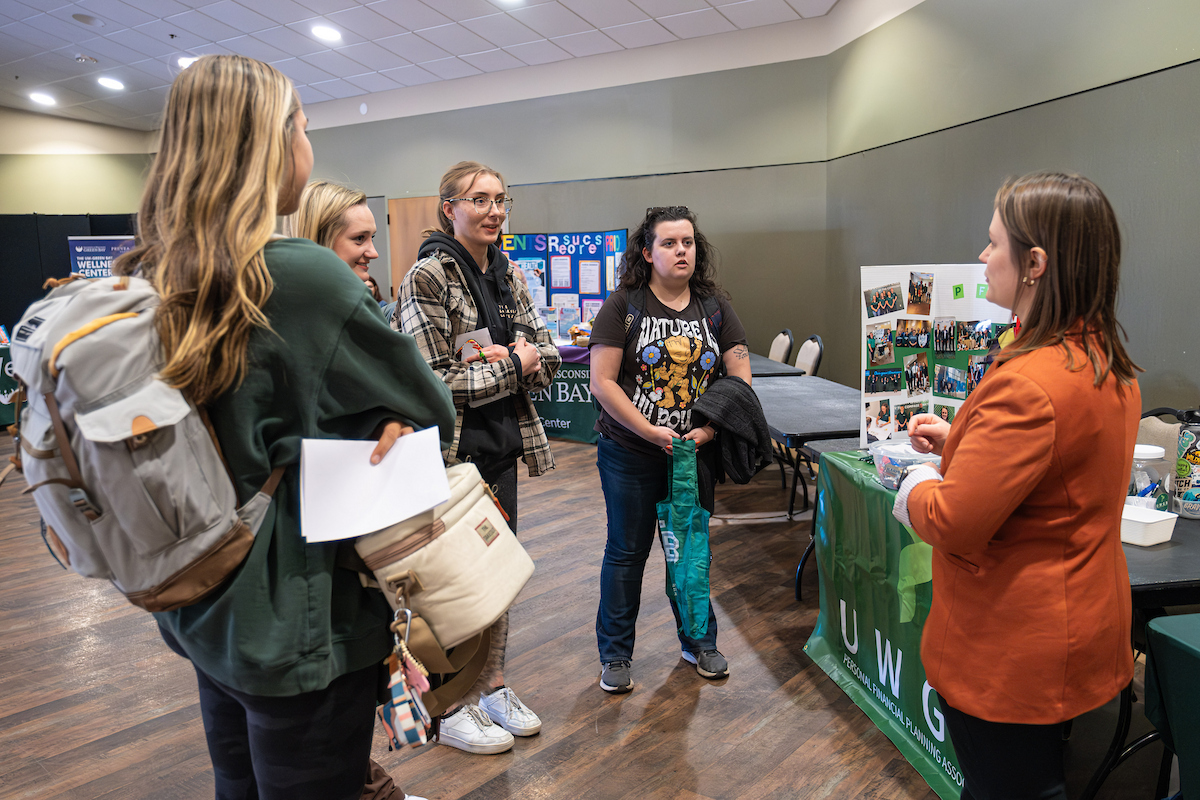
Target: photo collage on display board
927,331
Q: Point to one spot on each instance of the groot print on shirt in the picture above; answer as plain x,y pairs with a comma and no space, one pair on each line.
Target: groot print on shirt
675,362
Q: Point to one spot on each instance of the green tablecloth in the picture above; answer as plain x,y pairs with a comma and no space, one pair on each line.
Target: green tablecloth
1173,691
875,596
8,387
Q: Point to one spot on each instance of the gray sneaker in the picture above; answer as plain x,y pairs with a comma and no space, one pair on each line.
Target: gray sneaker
615,678
709,663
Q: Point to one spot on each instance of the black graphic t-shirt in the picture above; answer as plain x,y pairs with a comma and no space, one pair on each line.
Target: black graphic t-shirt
668,364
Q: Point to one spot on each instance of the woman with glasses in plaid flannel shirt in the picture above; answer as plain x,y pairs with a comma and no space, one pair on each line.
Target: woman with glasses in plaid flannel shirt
477,327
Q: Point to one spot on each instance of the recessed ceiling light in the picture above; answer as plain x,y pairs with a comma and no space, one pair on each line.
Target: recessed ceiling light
187,61
110,83
88,19
326,33
44,99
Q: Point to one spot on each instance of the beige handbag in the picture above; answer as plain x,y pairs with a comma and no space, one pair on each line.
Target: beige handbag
459,566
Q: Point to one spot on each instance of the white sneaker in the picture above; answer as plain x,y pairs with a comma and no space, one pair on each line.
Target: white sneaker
470,729
507,711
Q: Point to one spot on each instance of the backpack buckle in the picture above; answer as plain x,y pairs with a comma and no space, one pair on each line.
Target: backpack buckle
79,498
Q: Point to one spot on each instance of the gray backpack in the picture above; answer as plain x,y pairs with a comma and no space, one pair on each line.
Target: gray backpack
124,469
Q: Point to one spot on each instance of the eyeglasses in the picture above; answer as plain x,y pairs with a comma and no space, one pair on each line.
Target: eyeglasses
483,205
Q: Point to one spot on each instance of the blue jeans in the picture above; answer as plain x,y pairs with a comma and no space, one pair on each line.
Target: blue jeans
633,483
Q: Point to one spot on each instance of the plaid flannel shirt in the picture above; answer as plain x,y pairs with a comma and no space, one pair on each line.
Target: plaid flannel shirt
436,308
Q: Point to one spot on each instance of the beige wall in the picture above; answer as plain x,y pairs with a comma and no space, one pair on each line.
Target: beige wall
946,62
72,184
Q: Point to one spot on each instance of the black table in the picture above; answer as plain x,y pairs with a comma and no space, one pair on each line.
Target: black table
763,367
1161,575
804,409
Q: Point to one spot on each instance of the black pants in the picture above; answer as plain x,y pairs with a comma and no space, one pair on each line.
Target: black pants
312,746
503,481
1007,761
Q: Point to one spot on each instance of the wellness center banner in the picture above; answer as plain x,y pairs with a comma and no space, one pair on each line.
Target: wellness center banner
93,256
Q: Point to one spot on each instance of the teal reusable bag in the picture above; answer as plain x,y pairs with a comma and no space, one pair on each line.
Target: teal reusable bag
683,531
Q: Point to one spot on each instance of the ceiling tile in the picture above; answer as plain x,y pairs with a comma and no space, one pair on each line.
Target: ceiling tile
254,48
109,52
588,43
147,102
289,41
372,56
501,30
812,8
62,95
606,13
455,39
301,72
209,49
639,34
450,68
173,34
412,14
458,10
696,23
134,80
311,95
148,45
338,88
236,16
411,75
305,29
45,5
323,7
753,13
372,82
13,48
18,11
162,8
493,61
366,23
664,8
68,31
412,47
283,12
159,70
205,27
550,19
91,112
37,70
34,36
542,52
336,64
115,11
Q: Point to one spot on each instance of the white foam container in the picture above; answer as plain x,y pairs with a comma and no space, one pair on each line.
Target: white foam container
1145,526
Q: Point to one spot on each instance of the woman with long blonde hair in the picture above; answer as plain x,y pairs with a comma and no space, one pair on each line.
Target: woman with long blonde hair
279,343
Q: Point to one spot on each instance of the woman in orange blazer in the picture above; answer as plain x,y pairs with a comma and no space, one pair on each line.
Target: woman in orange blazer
1029,625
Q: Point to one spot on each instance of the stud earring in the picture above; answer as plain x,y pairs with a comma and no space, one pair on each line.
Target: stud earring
1028,281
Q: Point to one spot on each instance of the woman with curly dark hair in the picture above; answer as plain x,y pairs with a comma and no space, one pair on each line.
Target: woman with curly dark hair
657,343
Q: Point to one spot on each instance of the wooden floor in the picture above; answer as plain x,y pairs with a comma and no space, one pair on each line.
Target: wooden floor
93,705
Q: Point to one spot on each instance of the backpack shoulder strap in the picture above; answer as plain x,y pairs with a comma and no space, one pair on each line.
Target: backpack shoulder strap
712,314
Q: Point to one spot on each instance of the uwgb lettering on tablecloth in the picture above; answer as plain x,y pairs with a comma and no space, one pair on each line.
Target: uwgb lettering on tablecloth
895,695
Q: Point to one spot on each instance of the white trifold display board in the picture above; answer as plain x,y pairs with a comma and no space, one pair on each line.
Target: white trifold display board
924,339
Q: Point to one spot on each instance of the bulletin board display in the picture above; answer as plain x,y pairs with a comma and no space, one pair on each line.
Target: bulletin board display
569,274
925,338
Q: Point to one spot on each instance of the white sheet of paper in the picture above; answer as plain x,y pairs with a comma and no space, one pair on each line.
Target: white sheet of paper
560,272
342,495
589,277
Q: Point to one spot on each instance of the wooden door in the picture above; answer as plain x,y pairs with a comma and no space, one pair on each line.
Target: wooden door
407,217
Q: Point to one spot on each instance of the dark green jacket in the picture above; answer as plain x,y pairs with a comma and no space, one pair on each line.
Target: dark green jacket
290,621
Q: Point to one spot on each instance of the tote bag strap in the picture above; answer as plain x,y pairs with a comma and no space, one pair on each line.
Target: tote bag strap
681,489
